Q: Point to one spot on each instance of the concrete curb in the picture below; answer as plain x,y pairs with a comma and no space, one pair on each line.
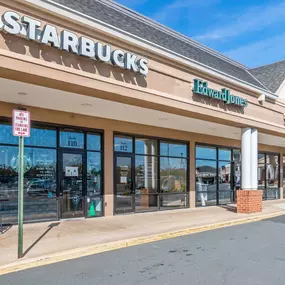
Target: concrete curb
103,247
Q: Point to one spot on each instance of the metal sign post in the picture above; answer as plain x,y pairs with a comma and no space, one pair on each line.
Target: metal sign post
20,196
21,129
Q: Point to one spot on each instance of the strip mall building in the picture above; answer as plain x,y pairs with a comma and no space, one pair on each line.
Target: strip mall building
129,116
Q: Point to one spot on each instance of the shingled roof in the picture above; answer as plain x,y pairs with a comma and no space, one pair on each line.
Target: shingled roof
132,22
271,75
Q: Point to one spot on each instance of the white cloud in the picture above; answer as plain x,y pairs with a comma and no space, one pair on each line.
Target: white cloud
253,19
259,53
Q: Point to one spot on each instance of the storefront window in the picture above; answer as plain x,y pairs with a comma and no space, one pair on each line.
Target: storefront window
173,175
43,164
39,183
203,152
146,146
94,184
206,182
41,137
6,135
72,140
93,142
123,144
217,175
150,177
171,149
146,179
237,168
268,175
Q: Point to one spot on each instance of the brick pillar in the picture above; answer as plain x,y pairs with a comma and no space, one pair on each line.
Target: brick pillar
249,201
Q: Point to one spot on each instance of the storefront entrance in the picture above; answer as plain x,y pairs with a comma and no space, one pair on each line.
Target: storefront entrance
72,184
150,174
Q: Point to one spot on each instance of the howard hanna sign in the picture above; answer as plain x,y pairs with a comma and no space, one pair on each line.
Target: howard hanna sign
201,88
12,23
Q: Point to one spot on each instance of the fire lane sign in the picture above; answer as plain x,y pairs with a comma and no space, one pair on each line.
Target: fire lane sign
21,123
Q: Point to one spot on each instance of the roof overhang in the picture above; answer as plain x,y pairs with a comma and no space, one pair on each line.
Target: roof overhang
82,19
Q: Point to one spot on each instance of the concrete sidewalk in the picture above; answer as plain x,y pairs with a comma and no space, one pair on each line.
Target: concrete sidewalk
43,239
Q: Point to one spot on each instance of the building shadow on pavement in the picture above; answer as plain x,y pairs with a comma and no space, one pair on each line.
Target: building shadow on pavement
229,208
32,245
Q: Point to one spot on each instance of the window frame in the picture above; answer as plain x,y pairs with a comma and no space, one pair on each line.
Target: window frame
266,153
158,156
58,128
217,160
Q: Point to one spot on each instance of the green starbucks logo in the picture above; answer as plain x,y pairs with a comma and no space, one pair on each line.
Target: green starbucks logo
27,163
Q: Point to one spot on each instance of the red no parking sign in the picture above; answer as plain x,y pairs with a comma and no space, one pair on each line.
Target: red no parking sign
21,123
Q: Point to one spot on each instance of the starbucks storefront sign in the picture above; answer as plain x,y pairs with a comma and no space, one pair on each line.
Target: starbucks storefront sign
201,88
12,23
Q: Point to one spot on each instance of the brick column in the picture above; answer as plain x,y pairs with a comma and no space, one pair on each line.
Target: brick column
108,173
249,199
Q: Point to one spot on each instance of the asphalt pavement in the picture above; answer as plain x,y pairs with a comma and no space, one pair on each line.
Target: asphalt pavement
248,254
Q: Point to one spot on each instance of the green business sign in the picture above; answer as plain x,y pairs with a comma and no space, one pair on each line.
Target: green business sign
201,88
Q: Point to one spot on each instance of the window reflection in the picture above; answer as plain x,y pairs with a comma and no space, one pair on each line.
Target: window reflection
206,152
41,137
206,182
218,174
173,174
272,176
146,146
40,176
6,135
268,175
123,144
146,174
71,139
237,168
173,200
8,172
94,174
225,154
93,142
171,149
39,183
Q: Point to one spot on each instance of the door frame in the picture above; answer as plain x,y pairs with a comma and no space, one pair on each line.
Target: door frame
130,155
61,152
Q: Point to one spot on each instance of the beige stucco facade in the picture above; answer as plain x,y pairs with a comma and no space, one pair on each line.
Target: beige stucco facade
166,89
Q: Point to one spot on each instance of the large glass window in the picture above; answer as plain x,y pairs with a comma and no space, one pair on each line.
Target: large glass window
217,175
41,137
160,174
123,144
41,163
94,184
268,175
71,139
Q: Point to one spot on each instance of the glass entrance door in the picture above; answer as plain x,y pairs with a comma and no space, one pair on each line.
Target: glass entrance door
71,184
124,186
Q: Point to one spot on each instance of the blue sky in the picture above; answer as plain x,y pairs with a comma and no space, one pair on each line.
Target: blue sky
249,31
